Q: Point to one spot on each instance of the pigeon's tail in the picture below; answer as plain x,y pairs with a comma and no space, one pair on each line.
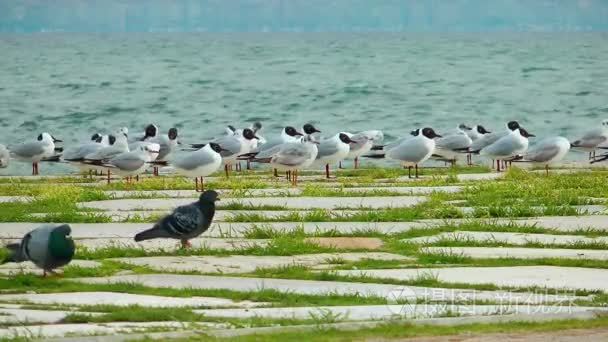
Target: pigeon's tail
152,233
14,253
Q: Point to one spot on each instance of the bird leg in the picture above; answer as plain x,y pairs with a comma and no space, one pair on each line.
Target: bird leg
155,171
356,162
547,169
237,166
276,173
248,164
340,165
226,169
327,171
288,175
409,172
202,184
416,166
109,176
33,169
497,165
185,244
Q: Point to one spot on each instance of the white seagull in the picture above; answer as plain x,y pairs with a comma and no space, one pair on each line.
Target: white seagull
200,163
508,147
547,151
412,151
333,150
35,151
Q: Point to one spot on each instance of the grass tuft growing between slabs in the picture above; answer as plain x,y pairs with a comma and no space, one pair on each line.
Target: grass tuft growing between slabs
24,283
55,203
396,330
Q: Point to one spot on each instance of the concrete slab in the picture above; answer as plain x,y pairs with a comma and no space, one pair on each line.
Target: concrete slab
20,316
28,267
128,230
347,242
123,299
395,311
220,215
518,252
7,199
246,263
553,277
580,209
169,245
60,330
510,238
465,177
395,293
193,194
287,202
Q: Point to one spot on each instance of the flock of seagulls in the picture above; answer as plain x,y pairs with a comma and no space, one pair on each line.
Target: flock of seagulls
296,149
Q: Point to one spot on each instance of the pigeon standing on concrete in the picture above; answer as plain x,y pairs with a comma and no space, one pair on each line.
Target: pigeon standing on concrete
185,222
48,247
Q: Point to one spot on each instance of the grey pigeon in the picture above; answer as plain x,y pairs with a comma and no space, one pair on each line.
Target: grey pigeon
185,222
48,247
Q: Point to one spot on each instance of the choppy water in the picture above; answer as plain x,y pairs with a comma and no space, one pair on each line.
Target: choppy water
74,84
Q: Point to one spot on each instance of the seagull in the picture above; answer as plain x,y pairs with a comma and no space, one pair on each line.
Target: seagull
333,150
547,151
490,138
291,156
363,143
35,151
508,147
477,132
95,160
288,134
168,144
232,147
48,247
76,155
412,151
132,163
185,222
200,163
450,146
590,141
5,157
150,132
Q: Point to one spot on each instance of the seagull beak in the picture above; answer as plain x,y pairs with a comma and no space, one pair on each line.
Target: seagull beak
56,140
316,130
256,137
298,133
437,136
531,135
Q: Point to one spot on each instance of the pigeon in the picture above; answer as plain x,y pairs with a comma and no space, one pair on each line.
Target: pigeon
48,247
4,156
185,222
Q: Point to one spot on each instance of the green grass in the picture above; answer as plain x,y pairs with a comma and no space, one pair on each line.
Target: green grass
25,283
402,330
